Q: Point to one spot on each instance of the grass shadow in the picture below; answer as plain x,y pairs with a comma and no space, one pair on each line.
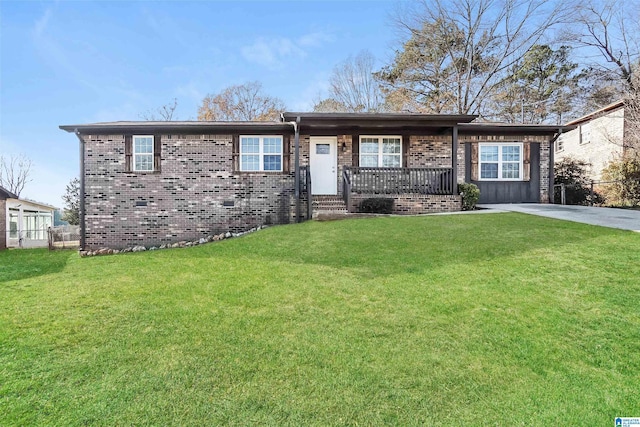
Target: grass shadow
18,264
388,246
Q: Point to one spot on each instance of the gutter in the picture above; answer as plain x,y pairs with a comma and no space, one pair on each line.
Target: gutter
82,210
557,135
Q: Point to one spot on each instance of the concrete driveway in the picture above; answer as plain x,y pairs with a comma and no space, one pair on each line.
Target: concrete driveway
625,219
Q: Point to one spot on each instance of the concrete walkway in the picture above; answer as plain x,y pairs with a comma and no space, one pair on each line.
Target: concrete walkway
625,219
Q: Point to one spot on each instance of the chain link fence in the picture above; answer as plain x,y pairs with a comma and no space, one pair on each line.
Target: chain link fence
64,237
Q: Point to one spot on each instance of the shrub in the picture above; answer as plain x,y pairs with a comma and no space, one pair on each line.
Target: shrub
470,195
626,191
573,174
380,205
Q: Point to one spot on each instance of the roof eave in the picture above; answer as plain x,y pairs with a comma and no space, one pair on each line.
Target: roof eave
513,128
368,118
598,113
169,127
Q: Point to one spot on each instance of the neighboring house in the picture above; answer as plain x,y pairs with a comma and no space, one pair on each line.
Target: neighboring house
23,223
598,138
153,183
4,224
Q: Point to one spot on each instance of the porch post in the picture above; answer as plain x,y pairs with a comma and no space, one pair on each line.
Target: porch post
454,159
297,167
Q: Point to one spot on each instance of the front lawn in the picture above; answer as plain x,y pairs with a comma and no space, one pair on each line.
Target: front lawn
487,319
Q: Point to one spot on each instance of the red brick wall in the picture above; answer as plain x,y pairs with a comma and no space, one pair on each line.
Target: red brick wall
185,201
415,204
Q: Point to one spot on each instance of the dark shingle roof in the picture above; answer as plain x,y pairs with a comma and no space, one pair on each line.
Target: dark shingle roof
6,194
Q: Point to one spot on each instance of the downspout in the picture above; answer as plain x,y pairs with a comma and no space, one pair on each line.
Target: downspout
296,129
82,211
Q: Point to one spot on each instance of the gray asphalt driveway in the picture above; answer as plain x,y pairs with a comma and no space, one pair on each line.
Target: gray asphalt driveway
625,219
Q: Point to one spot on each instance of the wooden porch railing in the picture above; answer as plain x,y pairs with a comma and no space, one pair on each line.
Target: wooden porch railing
398,180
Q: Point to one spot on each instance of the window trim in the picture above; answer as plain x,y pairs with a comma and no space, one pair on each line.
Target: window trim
380,150
500,145
584,131
134,154
261,154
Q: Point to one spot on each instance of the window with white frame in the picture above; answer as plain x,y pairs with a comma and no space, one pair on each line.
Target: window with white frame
585,134
143,153
261,153
501,161
381,151
560,143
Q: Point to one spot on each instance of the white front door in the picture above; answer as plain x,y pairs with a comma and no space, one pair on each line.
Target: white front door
323,161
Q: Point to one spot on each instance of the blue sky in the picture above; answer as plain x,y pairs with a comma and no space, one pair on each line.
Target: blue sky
81,62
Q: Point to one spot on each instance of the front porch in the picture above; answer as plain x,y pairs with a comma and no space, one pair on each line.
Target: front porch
413,159
414,190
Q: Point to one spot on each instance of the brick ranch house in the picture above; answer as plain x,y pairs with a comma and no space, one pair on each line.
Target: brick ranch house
149,183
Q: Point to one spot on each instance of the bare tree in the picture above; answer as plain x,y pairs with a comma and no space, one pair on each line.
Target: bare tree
612,28
14,173
456,52
631,136
329,105
161,114
241,102
353,85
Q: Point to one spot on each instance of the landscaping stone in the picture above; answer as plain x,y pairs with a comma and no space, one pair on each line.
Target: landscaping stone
181,244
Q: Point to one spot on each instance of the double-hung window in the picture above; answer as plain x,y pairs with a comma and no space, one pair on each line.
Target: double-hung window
143,153
501,162
261,153
381,151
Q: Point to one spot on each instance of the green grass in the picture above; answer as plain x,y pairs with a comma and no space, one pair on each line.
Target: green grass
500,319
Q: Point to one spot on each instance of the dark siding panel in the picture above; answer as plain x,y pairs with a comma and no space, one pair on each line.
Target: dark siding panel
286,154
514,191
405,150
128,150
235,152
355,150
467,162
157,153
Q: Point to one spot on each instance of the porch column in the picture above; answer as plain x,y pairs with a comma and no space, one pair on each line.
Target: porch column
454,159
297,167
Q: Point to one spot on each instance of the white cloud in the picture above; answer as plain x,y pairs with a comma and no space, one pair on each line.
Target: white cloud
273,52
315,39
313,92
41,24
190,90
126,111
